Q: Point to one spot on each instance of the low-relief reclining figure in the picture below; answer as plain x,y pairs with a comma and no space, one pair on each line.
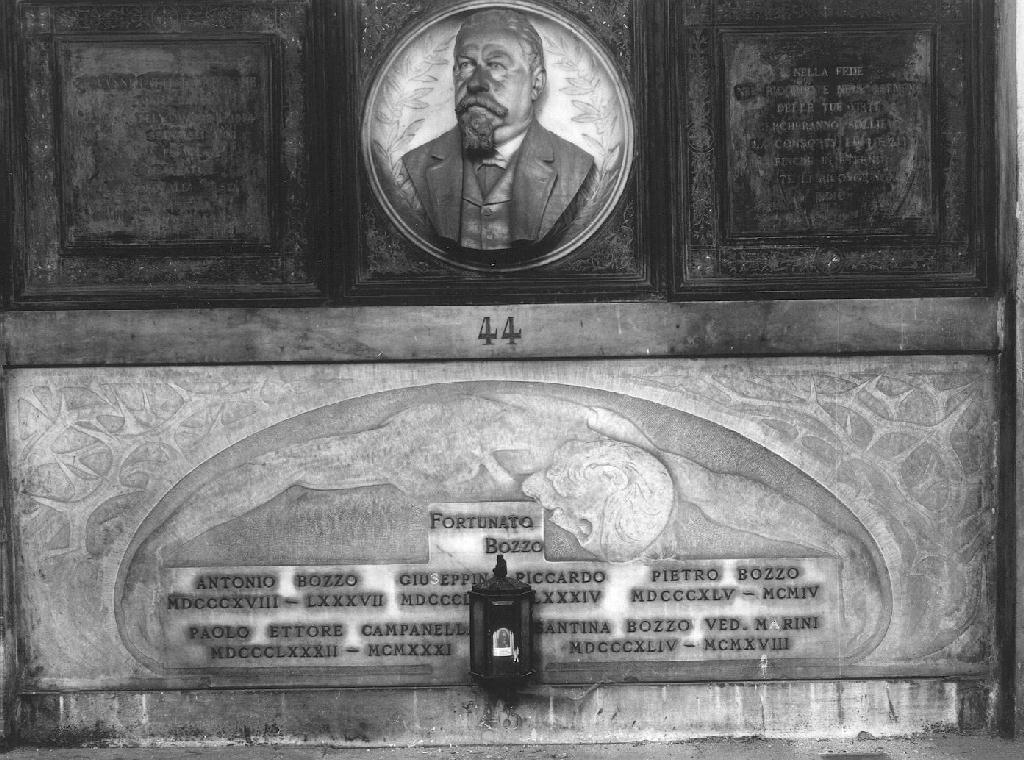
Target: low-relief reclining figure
625,478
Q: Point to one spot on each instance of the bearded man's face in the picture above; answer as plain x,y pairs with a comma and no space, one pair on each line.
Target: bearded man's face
495,88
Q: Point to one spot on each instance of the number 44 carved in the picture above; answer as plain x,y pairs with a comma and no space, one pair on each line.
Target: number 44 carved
509,332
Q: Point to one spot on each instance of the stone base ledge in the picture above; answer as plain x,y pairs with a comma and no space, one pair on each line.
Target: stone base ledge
539,714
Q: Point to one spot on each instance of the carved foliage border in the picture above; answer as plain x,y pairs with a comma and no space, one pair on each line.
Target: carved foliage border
701,142
388,258
44,265
781,11
907,446
710,260
42,241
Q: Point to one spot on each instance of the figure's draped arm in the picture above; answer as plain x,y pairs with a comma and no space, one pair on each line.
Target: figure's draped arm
738,502
327,463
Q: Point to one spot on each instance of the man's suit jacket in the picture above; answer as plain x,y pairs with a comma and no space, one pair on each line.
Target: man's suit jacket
549,172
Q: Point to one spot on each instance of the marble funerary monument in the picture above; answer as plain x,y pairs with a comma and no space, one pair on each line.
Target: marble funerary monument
700,314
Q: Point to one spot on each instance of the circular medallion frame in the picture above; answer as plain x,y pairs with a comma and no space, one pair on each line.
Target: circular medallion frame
410,102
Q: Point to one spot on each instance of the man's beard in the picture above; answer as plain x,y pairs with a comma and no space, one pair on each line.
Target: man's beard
477,123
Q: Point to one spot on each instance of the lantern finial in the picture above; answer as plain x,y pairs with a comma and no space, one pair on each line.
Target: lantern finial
500,568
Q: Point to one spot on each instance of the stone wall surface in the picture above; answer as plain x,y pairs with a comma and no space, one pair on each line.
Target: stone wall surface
635,713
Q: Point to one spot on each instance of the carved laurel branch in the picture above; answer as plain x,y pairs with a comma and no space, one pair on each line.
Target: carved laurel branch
404,96
595,110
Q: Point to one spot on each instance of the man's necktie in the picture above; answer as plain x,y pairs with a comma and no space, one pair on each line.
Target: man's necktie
488,174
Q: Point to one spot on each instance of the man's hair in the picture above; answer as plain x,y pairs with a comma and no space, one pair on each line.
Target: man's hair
515,22
630,491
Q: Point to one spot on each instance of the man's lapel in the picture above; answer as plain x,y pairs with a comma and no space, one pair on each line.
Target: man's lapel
531,188
444,185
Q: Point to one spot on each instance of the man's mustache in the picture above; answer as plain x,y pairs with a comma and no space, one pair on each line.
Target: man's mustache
483,101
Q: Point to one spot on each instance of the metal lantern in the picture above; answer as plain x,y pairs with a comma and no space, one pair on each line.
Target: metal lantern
501,628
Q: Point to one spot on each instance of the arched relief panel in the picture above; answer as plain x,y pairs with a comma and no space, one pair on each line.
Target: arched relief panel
321,525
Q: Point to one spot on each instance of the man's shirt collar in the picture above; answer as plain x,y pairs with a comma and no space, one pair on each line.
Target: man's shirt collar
504,153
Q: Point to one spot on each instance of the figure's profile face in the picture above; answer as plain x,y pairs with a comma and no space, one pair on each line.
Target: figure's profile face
614,498
578,510
495,86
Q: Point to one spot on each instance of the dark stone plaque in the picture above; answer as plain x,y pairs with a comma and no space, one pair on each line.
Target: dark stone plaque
166,153
830,145
829,133
166,142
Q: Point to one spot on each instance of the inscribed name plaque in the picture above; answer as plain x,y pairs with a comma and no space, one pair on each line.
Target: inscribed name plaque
322,525
384,617
166,142
829,133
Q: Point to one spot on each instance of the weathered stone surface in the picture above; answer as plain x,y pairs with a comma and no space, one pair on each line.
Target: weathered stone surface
465,715
866,481
932,746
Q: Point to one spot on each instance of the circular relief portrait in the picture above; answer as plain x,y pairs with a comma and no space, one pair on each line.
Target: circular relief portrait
498,137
